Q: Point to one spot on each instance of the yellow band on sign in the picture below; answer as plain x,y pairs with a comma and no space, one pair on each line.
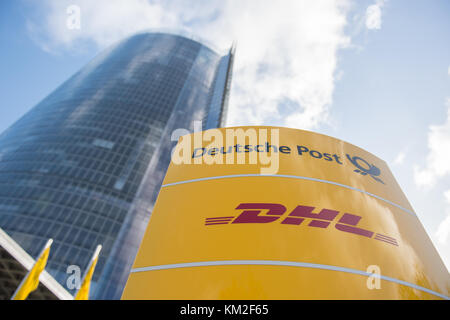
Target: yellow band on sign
278,213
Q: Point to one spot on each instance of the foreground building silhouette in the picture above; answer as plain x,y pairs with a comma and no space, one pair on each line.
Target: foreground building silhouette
85,165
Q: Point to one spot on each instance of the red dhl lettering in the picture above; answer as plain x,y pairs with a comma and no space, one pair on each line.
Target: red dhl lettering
252,213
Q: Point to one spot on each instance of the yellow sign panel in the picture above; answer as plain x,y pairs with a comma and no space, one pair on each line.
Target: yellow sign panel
277,213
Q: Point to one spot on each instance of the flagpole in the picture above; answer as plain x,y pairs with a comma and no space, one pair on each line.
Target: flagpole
94,257
48,244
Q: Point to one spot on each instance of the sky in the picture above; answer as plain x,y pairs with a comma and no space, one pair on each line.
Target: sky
370,72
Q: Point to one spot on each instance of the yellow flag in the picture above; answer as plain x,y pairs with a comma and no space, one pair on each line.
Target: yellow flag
83,292
31,281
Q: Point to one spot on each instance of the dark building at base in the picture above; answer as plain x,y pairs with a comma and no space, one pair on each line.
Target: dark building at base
85,165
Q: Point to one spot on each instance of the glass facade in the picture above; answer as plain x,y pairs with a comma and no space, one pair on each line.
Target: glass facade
85,165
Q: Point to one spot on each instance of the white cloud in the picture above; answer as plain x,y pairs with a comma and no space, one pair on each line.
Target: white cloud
102,21
443,230
399,158
438,159
373,15
438,167
286,52
442,234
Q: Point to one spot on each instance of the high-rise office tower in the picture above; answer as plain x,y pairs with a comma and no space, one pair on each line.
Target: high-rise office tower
85,165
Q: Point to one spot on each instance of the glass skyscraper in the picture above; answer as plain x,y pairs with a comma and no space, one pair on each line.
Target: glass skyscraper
85,165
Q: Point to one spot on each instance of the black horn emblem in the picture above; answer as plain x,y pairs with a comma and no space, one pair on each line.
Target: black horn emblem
365,168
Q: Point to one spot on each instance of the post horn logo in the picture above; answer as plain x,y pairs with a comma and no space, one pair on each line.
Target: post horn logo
364,168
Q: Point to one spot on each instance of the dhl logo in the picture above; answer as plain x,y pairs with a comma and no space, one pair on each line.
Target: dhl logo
252,214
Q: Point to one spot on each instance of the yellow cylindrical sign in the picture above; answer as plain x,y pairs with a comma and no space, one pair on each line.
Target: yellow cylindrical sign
278,213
